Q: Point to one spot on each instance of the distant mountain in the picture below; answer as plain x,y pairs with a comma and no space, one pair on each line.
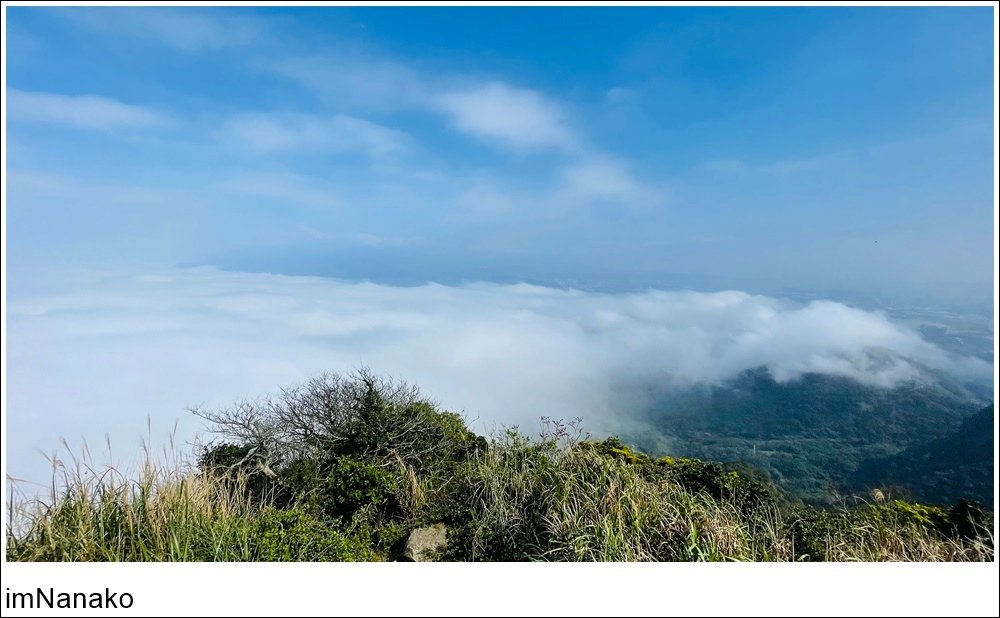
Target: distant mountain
812,434
958,465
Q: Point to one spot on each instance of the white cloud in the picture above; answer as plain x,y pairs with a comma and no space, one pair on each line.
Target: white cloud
583,182
515,117
603,179
267,133
493,111
99,359
81,111
186,30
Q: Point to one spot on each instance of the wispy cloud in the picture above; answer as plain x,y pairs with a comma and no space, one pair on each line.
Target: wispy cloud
357,80
35,186
186,30
269,133
282,188
514,117
360,97
493,111
80,111
584,181
604,179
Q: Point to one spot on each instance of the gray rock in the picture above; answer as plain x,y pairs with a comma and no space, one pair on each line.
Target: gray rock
424,543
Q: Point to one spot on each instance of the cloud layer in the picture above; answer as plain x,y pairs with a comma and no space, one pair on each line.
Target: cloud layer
99,360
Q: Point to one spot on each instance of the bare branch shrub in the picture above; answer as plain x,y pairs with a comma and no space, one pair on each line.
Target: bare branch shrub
360,413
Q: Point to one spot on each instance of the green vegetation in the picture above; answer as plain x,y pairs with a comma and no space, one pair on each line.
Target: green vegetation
956,466
346,467
820,437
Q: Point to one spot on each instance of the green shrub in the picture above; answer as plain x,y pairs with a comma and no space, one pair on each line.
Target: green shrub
743,487
897,513
746,490
350,484
295,535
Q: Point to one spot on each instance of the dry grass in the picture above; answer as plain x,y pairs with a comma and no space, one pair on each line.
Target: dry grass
163,511
871,543
563,503
551,499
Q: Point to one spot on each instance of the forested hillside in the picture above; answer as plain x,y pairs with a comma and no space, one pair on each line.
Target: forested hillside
813,435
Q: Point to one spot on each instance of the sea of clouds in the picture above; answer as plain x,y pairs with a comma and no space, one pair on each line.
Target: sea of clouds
99,358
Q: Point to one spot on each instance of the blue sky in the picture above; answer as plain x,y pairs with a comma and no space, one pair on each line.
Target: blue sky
173,173
810,148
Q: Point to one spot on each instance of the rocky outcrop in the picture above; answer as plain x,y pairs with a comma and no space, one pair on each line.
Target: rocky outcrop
423,544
